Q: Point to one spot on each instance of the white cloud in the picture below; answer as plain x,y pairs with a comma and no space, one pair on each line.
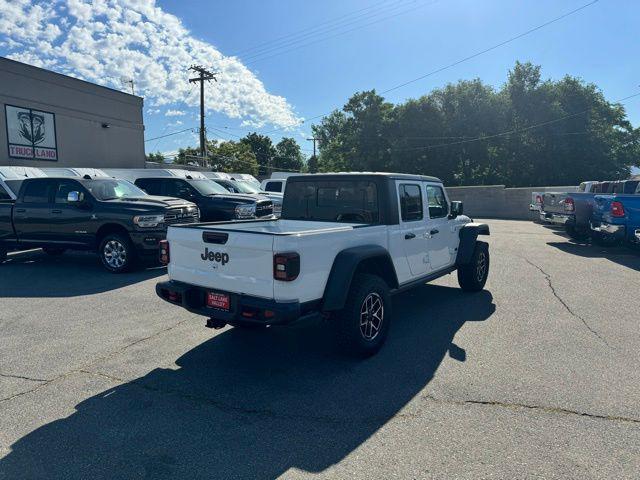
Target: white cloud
105,40
174,113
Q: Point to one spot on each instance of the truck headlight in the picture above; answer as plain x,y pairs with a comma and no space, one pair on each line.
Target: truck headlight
246,211
148,221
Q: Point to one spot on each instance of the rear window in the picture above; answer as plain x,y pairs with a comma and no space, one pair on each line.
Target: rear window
345,201
273,187
630,186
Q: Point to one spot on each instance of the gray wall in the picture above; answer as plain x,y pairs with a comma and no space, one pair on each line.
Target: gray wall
80,108
496,201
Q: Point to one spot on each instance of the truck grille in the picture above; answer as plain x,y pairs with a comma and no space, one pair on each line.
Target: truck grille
264,208
181,215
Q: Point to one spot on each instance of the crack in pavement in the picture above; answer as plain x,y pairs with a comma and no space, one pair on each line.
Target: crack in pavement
563,303
225,407
22,377
45,382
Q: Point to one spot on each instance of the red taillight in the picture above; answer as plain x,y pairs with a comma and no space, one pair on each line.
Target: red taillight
617,210
286,266
569,205
164,252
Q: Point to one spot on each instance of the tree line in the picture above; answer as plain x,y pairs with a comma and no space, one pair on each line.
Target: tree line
255,154
529,132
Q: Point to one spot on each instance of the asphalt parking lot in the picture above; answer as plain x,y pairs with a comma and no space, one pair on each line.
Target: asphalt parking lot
535,377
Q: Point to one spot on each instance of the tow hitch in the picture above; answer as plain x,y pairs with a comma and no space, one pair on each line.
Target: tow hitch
215,323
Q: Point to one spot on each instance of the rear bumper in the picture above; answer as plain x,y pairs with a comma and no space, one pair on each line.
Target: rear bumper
193,299
557,218
608,228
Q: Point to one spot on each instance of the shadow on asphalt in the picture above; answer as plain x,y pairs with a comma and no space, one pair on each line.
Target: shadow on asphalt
621,255
249,404
36,274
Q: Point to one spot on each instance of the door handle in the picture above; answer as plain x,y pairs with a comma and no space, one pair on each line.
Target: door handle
56,211
409,236
434,231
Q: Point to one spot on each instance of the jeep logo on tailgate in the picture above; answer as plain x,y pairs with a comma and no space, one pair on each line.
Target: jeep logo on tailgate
219,257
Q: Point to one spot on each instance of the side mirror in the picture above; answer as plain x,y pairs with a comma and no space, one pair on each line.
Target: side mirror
75,197
456,209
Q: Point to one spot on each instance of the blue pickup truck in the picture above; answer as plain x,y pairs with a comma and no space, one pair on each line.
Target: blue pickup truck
616,218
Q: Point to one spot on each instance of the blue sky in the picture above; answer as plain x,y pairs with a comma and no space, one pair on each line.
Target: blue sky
390,42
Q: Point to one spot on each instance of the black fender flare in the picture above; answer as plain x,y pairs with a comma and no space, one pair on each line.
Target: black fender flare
468,236
344,267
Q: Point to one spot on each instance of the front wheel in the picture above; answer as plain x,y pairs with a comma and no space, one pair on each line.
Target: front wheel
363,324
473,276
116,253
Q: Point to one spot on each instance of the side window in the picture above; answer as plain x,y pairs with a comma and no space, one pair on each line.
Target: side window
4,195
178,189
410,202
150,185
437,202
273,187
37,192
63,190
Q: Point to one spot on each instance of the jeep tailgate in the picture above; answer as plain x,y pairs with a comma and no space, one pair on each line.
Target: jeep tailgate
226,260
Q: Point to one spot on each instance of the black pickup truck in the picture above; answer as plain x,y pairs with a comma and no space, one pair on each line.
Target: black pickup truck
214,201
113,217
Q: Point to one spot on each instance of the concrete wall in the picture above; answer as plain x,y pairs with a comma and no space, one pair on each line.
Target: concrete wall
496,201
81,109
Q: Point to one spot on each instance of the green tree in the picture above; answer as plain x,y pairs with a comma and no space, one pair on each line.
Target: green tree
233,157
288,155
155,157
263,149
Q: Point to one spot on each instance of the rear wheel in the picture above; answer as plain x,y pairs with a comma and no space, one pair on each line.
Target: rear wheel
576,233
363,324
473,276
54,252
116,253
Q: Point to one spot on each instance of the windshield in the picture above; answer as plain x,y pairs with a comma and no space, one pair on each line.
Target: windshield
348,201
246,187
14,185
112,189
207,187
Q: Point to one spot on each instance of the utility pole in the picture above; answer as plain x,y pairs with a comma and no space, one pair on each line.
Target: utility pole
203,75
314,140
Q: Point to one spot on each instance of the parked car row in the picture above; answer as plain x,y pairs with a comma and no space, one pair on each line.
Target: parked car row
607,212
122,214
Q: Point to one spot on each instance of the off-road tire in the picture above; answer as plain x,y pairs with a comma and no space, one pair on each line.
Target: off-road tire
54,252
576,233
367,294
473,276
117,253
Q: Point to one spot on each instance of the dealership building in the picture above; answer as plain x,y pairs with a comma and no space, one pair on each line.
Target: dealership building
52,120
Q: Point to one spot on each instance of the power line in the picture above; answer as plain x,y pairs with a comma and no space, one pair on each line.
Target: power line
509,132
458,62
295,44
169,134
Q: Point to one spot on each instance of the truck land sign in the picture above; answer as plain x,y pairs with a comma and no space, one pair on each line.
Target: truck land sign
31,134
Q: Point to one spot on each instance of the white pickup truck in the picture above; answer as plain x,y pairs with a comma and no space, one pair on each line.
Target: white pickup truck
344,243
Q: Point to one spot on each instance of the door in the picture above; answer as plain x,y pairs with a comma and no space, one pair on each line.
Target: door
413,227
72,224
32,213
441,231
179,189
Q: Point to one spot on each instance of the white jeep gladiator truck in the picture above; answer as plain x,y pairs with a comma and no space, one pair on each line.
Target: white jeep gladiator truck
344,244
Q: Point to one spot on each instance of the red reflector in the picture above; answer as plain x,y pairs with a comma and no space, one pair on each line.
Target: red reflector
617,209
269,314
174,296
164,255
